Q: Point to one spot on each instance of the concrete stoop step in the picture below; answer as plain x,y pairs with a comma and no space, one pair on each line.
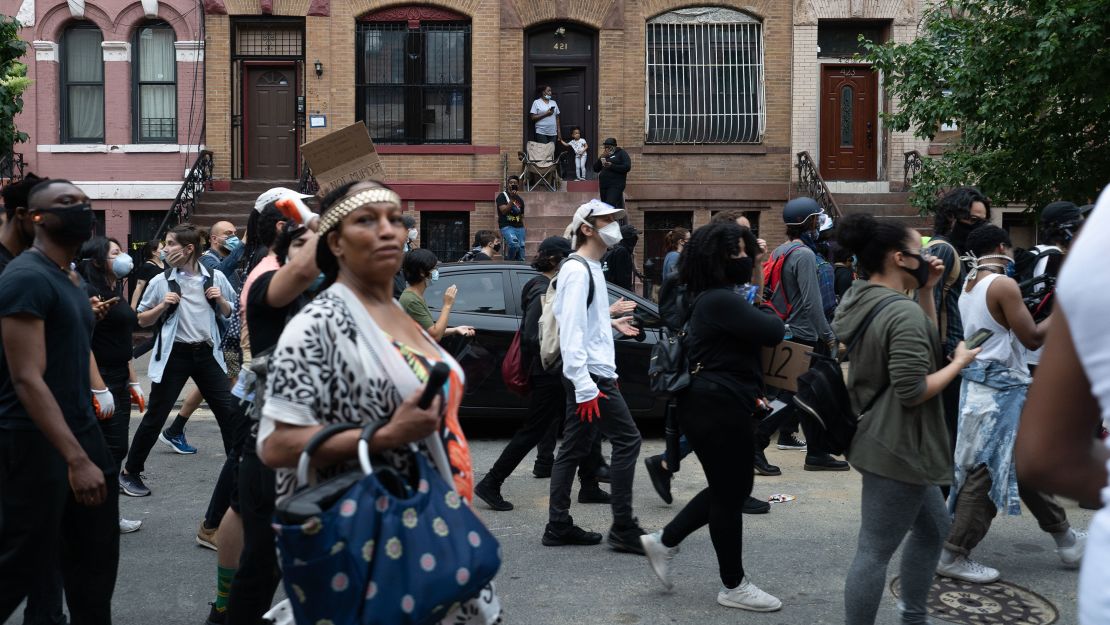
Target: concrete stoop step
888,206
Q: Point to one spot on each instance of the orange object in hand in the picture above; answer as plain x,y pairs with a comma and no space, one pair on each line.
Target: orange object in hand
137,397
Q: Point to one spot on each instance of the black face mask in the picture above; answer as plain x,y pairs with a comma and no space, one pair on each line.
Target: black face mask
959,232
739,270
76,223
497,246
921,274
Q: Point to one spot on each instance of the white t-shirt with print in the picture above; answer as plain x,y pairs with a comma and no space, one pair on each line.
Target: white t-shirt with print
1084,296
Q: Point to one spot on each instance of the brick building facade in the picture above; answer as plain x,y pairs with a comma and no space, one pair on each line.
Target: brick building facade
700,97
116,102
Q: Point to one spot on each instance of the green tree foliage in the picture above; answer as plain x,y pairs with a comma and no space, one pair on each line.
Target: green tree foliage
13,82
1027,82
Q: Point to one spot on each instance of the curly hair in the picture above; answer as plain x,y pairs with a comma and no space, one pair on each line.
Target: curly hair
956,205
702,264
986,238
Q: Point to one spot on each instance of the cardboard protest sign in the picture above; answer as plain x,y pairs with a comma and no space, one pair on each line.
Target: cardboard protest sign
343,156
783,363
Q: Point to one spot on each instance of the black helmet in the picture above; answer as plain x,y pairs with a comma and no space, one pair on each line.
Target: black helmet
798,210
1062,214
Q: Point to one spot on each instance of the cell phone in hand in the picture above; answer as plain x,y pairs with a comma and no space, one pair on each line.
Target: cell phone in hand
977,339
436,379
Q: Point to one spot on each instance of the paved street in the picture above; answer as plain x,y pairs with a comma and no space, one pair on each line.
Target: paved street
799,551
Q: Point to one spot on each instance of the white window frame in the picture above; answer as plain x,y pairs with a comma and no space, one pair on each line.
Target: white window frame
733,124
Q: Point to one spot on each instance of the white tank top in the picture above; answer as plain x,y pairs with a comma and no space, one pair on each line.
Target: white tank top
1003,346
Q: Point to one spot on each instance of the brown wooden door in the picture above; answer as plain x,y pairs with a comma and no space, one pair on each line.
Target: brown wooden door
849,122
271,128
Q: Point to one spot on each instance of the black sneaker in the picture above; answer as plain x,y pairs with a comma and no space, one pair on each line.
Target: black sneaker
541,471
790,442
568,534
626,538
603,474
491,494
763,467
216,617
132,485
824,462
660,477
755,506
590,492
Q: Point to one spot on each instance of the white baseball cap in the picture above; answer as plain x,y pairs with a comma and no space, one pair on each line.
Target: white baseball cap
275,194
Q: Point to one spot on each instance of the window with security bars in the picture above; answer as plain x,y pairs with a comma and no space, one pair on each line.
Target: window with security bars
705,77
155,85
413,83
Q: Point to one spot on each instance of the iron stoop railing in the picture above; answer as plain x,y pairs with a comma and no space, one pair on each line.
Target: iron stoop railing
811,183
197,181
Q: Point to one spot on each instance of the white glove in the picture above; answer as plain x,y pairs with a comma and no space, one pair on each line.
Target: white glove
137,396
104,404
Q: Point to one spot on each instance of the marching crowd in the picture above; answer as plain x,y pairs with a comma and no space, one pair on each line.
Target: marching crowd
301,339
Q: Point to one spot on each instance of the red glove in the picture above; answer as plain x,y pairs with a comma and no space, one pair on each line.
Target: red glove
589,410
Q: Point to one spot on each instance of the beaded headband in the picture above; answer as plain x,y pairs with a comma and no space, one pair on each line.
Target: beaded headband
347,205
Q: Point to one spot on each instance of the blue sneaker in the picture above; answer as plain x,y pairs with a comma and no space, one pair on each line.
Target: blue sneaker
178,443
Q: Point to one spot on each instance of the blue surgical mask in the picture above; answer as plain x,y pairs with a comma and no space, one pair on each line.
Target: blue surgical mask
232,244
122,265
162,256
315,286
435,275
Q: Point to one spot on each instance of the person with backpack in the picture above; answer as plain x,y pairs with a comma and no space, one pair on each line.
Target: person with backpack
594,404
725,339
991,401
958,213
183,304
901,445
547,399
1060,224
793,287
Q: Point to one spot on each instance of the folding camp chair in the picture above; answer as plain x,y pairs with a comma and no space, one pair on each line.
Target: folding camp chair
540,166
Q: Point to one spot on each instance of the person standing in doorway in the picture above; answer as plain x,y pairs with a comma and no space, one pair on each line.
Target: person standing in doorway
545,116
510,219
59,506
612,172
580,147
594,404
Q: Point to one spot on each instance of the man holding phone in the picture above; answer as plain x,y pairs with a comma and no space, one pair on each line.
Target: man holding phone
612,173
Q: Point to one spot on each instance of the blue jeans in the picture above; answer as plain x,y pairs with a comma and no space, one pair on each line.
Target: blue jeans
514,242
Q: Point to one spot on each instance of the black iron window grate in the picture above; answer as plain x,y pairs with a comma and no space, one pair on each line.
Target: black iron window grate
413,84
705,77
269,40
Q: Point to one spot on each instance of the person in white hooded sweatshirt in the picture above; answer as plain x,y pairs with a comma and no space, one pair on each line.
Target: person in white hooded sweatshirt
594,402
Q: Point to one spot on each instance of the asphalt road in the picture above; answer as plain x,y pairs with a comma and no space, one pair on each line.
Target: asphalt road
799,552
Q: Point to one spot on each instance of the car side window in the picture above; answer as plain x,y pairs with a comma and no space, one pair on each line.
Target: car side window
477,292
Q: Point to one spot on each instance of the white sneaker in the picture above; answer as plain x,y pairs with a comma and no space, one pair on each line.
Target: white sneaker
968,570
747,596
126,526
659,556
1072,556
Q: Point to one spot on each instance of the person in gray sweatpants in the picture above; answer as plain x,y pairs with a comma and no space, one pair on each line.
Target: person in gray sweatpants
901,446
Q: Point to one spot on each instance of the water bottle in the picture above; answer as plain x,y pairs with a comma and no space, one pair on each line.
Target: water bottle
789,335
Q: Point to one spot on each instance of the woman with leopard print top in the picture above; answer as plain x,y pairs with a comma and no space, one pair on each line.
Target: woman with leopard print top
352,355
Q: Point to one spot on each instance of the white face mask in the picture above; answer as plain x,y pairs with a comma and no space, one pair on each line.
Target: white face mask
611,234
413,234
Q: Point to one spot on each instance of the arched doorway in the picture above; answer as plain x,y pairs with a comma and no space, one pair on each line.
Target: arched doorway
564,56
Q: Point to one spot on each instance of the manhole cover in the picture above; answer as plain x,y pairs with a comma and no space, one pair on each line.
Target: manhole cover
985,604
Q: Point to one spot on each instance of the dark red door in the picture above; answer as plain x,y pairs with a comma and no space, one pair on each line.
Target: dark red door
849,122
271,131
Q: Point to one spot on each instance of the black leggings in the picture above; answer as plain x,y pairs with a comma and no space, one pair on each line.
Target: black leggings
722,441
252,590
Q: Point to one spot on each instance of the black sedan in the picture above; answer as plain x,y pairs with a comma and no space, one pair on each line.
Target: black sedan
489,300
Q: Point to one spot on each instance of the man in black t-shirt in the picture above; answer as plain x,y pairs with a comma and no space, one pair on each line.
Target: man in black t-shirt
59,515
510,219
17,233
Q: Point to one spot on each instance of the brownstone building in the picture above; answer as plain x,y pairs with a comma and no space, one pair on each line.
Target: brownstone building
698,95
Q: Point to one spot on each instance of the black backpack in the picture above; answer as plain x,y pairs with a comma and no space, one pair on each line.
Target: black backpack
1037,291
669,368
823,396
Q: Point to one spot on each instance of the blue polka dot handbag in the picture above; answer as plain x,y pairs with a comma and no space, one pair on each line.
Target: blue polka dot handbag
380,548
